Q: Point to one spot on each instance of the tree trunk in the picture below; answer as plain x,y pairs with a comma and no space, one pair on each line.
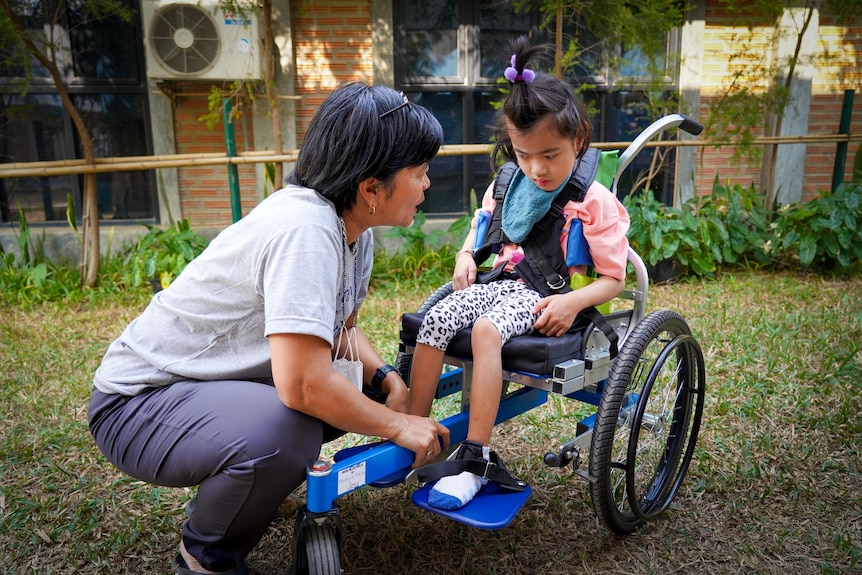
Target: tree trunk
558,37
271,92
89,261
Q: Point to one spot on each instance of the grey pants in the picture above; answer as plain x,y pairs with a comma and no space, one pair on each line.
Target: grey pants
235,439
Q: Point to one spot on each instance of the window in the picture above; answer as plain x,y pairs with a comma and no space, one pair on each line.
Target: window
619,102
108,87
450,55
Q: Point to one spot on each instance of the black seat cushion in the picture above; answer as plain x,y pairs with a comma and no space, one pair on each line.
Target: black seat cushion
532,354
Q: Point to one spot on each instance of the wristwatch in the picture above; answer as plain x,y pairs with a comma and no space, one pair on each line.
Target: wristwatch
380,375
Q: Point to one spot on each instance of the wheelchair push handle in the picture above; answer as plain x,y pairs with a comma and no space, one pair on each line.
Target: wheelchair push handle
690,125
684,123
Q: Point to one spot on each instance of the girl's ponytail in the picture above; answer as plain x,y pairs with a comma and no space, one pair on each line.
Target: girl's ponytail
532,97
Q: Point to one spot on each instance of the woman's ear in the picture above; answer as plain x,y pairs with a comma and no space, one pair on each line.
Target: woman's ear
369,192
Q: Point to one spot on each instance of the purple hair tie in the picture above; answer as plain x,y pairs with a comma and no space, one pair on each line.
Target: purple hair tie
511,73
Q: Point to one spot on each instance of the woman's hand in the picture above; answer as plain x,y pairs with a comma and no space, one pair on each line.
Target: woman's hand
306,382
424,437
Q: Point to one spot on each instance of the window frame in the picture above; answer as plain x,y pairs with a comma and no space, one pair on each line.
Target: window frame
88,87
469,84
605,82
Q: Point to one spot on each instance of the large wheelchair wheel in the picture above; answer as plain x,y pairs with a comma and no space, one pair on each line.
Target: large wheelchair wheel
647,422
440,293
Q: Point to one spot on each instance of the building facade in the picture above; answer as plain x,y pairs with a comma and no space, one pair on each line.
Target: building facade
446,54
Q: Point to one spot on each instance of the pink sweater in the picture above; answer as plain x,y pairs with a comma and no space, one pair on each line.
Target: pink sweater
605,223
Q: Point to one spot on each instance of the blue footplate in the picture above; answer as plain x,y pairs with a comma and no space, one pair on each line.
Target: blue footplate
492,508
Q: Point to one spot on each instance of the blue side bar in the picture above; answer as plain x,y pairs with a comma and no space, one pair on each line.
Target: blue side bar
353,473
450,382
520,402
591,397
387,458
514,405
588,422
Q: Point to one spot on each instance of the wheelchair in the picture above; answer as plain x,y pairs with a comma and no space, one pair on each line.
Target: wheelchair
633,450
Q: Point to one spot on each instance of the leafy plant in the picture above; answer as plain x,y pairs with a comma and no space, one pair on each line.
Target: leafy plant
735,222
31,269
163,253
270,184
420,252
660,232
727,226
824,233
240,93
857,166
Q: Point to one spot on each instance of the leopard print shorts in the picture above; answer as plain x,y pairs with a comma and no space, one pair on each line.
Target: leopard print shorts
508,304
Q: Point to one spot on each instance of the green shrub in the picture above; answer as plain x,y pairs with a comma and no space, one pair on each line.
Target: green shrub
736,225
823,234
726,226
420,253
163,253
27,275
659,232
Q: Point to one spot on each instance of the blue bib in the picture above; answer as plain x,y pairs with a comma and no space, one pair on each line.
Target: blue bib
525,204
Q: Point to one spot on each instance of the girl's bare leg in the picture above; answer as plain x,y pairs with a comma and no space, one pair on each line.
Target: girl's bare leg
487,383
424,377
453,492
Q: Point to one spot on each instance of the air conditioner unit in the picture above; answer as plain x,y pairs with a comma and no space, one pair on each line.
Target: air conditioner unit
196,40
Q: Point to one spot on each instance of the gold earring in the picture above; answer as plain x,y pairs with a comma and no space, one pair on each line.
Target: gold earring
372,210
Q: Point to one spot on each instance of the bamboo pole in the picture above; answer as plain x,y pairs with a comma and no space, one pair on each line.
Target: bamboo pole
138,163
34,169
125,159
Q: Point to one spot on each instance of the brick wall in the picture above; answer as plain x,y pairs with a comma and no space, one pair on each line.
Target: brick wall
204,190
838,67
332,43
724,66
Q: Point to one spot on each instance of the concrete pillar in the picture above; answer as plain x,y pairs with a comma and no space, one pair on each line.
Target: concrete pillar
164,143
790,163
383,42
689,85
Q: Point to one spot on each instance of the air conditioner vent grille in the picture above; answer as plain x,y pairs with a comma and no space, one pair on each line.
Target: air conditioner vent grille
184,38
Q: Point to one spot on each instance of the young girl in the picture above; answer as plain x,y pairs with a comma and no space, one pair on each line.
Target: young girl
546,132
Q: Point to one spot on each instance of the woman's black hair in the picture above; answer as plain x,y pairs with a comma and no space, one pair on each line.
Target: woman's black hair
531,100
348,141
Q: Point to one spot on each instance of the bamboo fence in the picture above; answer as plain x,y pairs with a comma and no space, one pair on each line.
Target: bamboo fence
137,163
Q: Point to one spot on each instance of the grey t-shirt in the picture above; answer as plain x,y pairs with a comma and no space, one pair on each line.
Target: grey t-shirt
278,270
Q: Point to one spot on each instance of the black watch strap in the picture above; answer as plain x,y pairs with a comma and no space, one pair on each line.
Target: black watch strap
380,375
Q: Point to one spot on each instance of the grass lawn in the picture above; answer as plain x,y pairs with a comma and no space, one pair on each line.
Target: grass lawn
775,487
